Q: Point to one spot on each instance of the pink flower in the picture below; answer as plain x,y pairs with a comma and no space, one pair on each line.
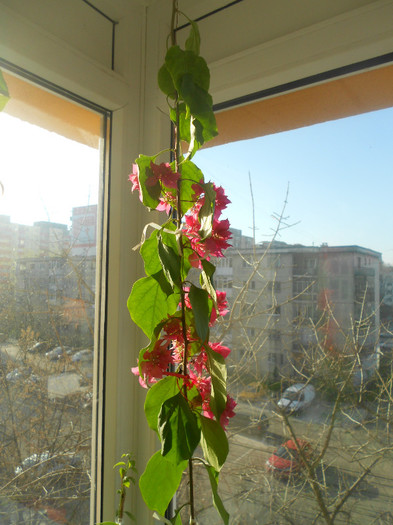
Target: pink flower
173,330
222,303
192,226
217,242
214,244
135,371
222,307
163,173
134,178
203,384
177,352
155,363
220,349
227,413
195,260
199,362
222,201
198,190
164,206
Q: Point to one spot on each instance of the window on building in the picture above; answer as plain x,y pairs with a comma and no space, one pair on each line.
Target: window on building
274,309
274,285
275,335
51,170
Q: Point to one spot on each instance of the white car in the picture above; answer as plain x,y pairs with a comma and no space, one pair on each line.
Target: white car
58,353
297,397
83,356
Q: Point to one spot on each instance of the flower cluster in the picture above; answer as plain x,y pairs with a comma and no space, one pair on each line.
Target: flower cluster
166,354
160,179
215,243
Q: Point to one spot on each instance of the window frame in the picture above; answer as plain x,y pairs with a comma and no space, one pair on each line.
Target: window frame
265,71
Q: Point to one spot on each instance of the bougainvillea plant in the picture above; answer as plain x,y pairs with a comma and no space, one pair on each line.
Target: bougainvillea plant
176,304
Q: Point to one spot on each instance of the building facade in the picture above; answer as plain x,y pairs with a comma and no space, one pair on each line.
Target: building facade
47,274
285,299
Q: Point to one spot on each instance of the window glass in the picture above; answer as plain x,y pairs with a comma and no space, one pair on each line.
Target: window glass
50,173
315,248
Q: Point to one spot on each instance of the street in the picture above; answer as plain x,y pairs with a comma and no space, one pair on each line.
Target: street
254,496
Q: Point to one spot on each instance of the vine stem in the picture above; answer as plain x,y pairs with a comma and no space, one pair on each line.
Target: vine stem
179,218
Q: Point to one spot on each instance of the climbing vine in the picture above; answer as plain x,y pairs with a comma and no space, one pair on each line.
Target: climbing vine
176,304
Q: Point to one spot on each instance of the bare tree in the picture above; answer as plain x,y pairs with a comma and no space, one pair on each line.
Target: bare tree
287,327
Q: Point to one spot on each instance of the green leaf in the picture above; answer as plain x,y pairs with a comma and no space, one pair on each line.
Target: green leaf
131,516
190,175
193,42
180,63
156,396
218,372
160,481
196,137
184,121
149,253
170,239
187,252
208,270
171,263
213,477
150,192
165,285
200,306
4,94
165,82
201,106
161,519
177,519
118,464
191,78
214,442
206,213
178,429
148,304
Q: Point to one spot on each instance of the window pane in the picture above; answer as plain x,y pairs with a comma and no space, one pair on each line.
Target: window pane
310,278
50,169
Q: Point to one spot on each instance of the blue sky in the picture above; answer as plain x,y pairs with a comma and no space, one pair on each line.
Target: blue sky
339,176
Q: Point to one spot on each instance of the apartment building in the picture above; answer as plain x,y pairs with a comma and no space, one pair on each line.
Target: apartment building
285,298
55,297
84,230
48,273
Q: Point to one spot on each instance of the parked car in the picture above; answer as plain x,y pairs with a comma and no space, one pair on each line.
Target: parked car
83,356
60,482
297,397
286,460
39,347
51,462
22,374
58,353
